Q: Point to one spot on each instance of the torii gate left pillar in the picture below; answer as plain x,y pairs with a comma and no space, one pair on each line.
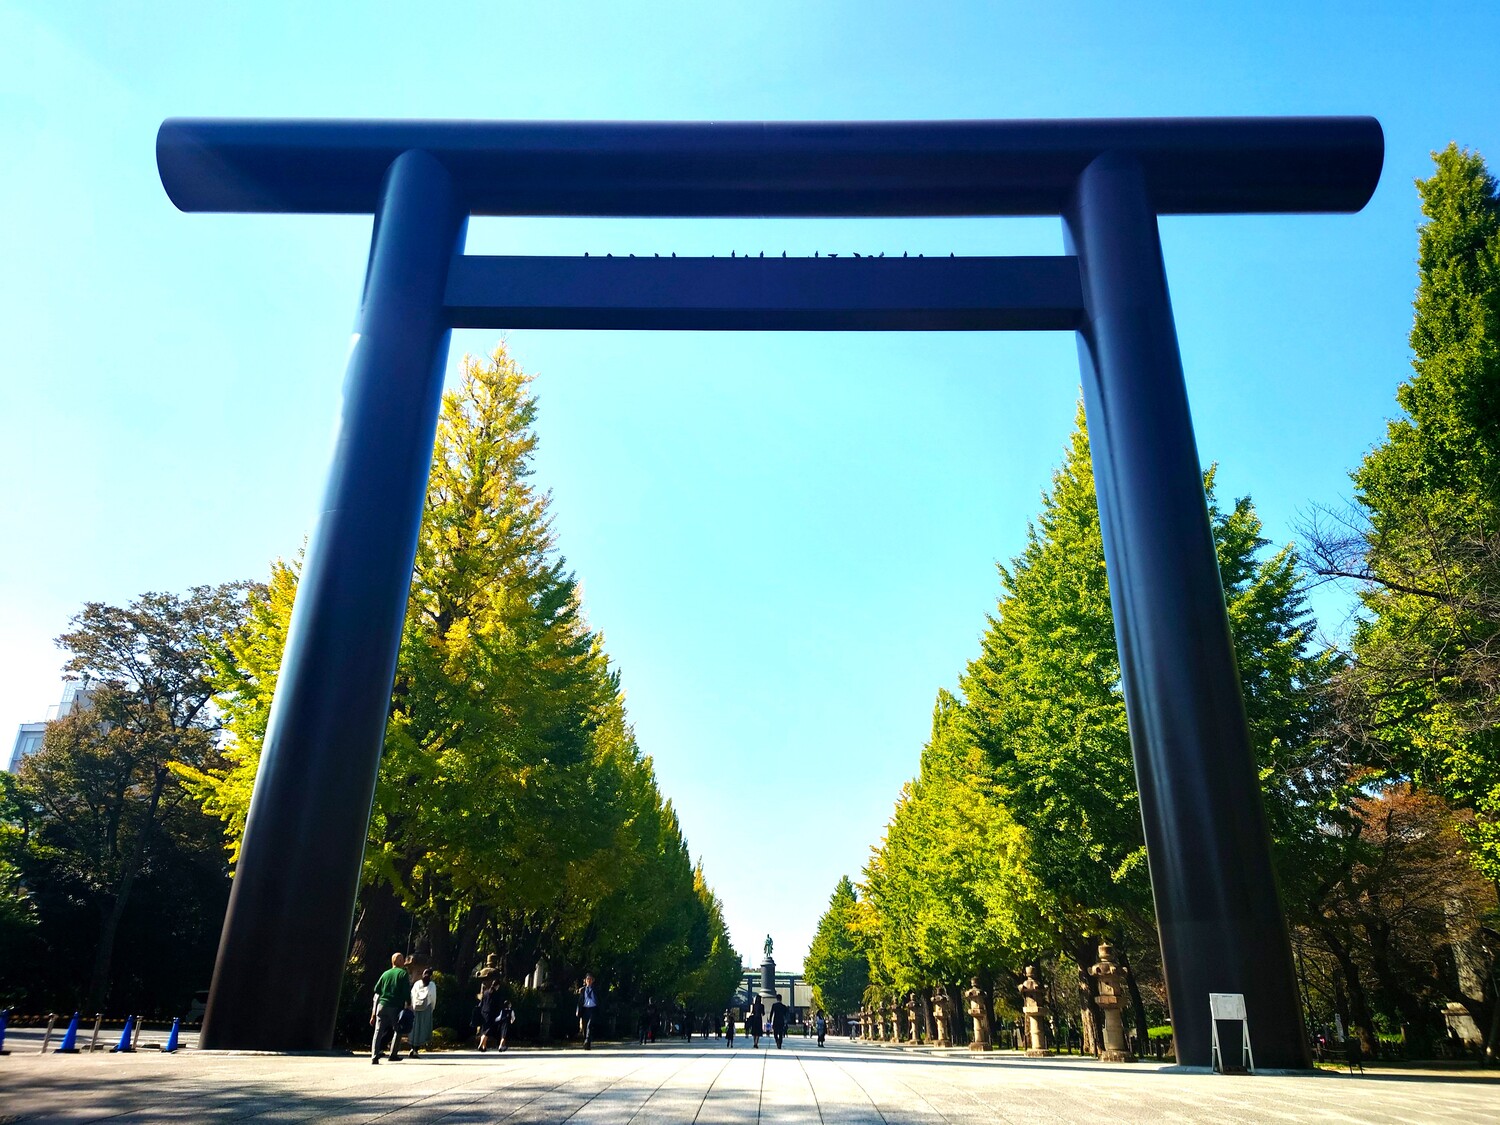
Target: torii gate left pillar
1217,907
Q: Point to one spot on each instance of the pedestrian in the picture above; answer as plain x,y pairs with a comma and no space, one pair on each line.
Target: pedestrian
755,1021
504,1021
588,1010
820,1021
778,1021
423,1005
729,1026
392,997
487,1012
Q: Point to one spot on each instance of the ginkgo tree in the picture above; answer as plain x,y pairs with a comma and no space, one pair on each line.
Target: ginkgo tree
514,811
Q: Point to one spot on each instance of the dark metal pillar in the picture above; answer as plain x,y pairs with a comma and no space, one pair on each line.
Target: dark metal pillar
294,889
1222,928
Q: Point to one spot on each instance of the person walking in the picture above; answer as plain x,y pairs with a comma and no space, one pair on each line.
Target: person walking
487,1012
588,1010
392,997
729,1026
423,1005
820,1023
778,1021
755,1022
504,1021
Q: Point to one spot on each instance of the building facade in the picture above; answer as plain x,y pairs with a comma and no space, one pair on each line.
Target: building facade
76,695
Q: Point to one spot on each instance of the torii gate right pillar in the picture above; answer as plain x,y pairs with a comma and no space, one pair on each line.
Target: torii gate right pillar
1207,842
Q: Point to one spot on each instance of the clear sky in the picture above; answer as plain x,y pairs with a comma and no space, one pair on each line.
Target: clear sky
788,539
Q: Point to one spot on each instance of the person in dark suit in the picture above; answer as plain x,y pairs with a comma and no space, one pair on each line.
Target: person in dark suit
487,1013
778,1020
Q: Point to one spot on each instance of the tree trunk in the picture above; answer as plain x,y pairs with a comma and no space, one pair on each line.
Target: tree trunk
1084,952
1492,1041
1418,1017
1137,1005
99,979
929,1028
374,933
440,938
1359,1006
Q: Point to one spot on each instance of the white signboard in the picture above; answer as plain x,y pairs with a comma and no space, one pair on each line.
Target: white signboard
1227,1005
1230,1007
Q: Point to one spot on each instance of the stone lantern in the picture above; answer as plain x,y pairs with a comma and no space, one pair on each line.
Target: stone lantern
913,1019
979,1012
1034,1011
541,978
940,1015
1112,979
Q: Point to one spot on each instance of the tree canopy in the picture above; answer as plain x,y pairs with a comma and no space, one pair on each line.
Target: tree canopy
514,812
1422,694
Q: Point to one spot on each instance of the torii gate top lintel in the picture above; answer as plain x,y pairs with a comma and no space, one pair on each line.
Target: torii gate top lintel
1206,165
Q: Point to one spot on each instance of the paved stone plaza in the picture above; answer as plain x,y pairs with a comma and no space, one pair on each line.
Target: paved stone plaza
704,1082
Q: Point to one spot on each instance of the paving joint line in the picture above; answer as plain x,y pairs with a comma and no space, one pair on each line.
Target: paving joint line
515,1081
458,1085
659,1085
703,1101
862,1090
811,1089
760,1099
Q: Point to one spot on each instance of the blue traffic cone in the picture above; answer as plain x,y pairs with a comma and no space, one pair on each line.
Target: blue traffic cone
124,1043
172,1036
4,1019
68,1046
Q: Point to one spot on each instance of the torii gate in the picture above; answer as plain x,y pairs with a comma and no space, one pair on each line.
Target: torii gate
1222,928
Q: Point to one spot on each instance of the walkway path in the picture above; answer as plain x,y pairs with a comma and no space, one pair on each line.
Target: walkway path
851,1084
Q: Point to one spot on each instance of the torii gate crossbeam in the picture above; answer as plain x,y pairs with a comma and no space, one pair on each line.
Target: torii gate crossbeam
1221,923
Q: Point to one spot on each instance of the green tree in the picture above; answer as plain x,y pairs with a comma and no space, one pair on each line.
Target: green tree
514,811
19,948
952,884
714,969
1421,698
837,965
1043,706
101,805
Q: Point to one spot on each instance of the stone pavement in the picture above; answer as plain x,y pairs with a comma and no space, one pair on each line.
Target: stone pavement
703,1082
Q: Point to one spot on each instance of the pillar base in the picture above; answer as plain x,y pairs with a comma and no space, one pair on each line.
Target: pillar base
1116,1056
1039,1053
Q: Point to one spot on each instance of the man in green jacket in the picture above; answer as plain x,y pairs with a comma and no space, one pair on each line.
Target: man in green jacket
392,997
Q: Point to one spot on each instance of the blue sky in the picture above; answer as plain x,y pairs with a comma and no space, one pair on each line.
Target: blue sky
788,540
